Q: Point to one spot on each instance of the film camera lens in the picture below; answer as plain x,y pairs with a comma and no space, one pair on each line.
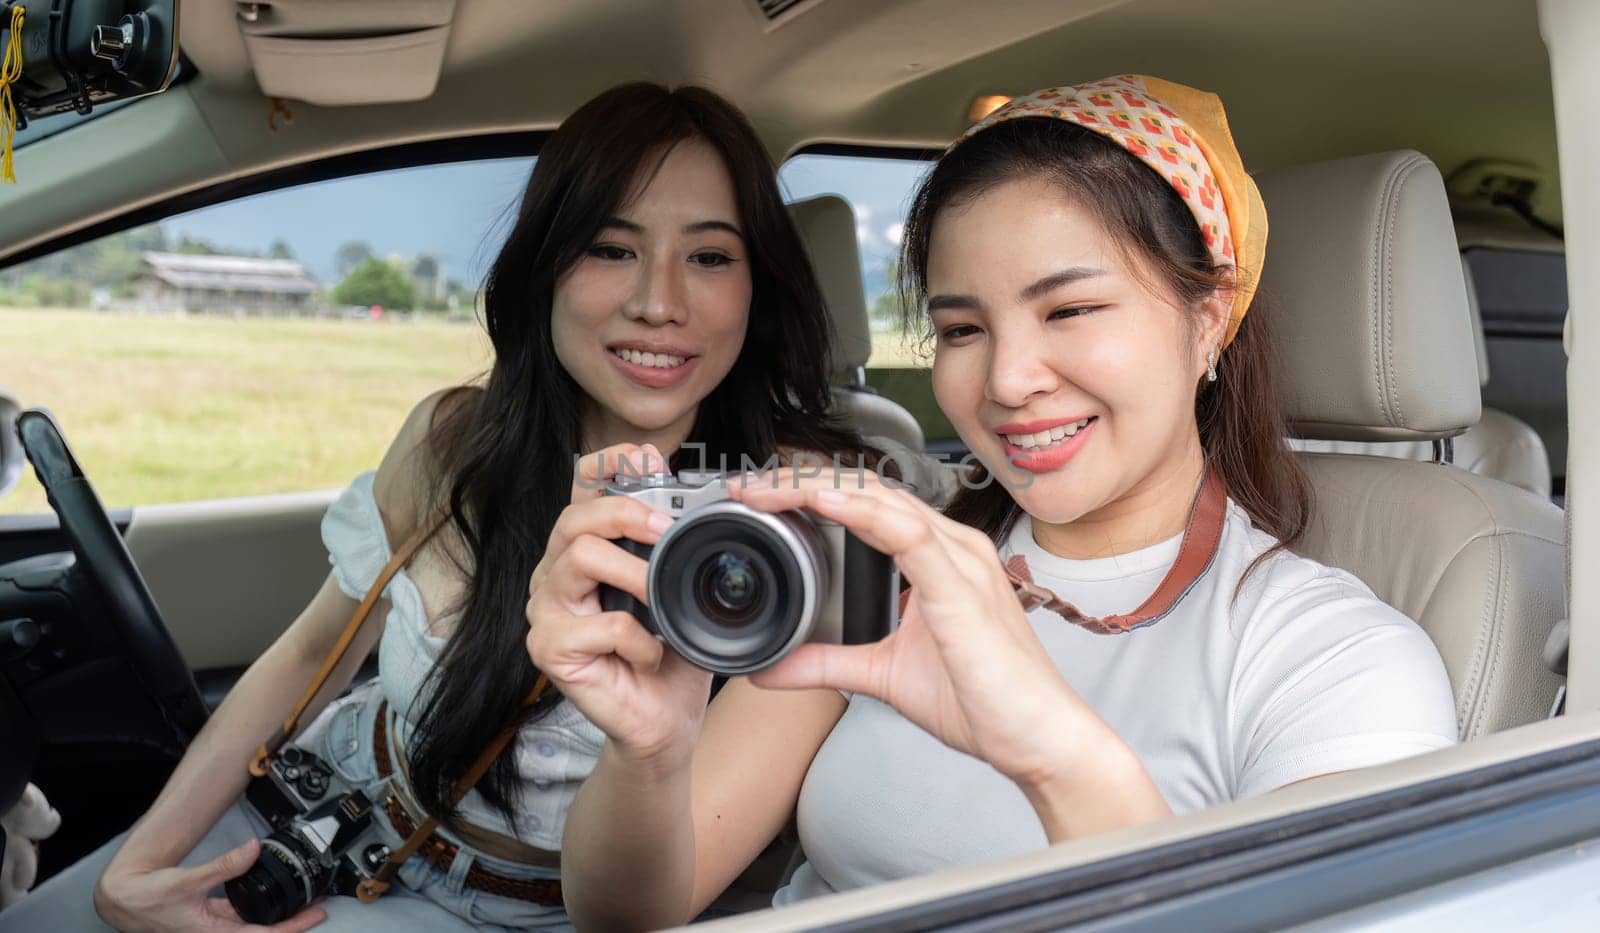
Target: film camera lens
320,843
286,876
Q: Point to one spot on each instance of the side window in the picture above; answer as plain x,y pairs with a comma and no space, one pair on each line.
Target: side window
270,344
880,189
1522,298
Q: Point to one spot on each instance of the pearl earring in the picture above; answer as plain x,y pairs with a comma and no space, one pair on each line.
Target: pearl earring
1211,366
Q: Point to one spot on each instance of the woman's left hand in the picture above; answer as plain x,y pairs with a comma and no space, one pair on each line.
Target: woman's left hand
964,663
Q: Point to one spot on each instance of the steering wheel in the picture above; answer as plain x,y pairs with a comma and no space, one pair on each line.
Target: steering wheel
104,558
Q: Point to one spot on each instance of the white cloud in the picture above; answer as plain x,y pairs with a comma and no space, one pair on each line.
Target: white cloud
894,233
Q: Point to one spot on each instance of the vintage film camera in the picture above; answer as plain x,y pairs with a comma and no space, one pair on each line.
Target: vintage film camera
324,839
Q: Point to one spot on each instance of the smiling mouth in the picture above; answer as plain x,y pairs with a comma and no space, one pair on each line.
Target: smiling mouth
1051,437
653,360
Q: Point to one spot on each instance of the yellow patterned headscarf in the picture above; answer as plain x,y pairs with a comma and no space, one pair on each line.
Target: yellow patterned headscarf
1183,135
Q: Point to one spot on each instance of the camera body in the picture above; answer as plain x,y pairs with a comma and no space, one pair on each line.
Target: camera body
324,839
734,589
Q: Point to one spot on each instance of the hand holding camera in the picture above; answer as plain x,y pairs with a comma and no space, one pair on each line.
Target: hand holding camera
963,662
324,840
647,699
137,899
674,559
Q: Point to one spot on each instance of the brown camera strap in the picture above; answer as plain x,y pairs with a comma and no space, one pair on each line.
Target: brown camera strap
291,724
1202,535
372,888
1196,552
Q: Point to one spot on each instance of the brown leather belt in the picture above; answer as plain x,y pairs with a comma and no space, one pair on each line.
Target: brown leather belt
440,852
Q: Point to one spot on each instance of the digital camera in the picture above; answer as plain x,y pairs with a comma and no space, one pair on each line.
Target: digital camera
734,589
324,839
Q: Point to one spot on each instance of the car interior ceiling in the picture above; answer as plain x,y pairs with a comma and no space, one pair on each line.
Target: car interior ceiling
880,77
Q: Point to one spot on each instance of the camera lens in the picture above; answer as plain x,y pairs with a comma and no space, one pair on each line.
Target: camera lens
728,588
732,589
284,879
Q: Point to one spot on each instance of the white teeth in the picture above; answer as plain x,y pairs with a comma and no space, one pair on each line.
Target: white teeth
1047,438
659,360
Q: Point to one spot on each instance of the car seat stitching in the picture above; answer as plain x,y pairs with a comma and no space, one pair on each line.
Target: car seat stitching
1468,702
1497,628
1401,175
1375,295
1497,650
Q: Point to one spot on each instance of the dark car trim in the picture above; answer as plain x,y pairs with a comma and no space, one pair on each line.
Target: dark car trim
40,533
863,151
1299,867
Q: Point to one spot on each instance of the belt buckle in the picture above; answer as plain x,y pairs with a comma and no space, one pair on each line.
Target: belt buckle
381,795
438,851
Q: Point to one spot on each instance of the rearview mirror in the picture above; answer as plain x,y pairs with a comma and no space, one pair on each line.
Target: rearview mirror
79,54
11,456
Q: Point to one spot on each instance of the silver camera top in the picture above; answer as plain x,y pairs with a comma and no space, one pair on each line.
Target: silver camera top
673,494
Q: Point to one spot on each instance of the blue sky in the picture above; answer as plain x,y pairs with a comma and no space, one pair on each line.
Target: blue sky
461,212
458,212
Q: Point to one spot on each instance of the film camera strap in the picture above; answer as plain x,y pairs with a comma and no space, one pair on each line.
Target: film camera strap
372,888
1198,549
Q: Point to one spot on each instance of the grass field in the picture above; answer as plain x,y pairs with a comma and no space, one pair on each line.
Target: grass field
170,409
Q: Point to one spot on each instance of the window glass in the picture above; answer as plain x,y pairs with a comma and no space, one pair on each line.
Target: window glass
879,189
269,344
1522,298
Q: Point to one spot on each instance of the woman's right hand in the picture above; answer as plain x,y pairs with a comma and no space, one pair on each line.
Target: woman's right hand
646,699
179,899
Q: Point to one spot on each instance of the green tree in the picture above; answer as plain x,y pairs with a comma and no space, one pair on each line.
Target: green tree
57,293
886,304
279,250
375,282
192,247
104,263
350,256
114,261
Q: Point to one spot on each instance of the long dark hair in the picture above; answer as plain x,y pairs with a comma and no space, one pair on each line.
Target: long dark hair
505,452
1239,416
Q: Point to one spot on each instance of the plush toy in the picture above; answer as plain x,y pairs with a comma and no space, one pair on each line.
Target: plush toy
25,824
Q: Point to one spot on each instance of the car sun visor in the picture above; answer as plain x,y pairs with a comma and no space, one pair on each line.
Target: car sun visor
345,52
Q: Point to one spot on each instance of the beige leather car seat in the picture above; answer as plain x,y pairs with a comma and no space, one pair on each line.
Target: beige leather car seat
1371,317
828,226
1500,445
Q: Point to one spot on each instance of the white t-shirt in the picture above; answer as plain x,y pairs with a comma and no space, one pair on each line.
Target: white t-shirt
1305,673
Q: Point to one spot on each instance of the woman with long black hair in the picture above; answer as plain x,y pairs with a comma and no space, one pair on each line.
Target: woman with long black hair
653,303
